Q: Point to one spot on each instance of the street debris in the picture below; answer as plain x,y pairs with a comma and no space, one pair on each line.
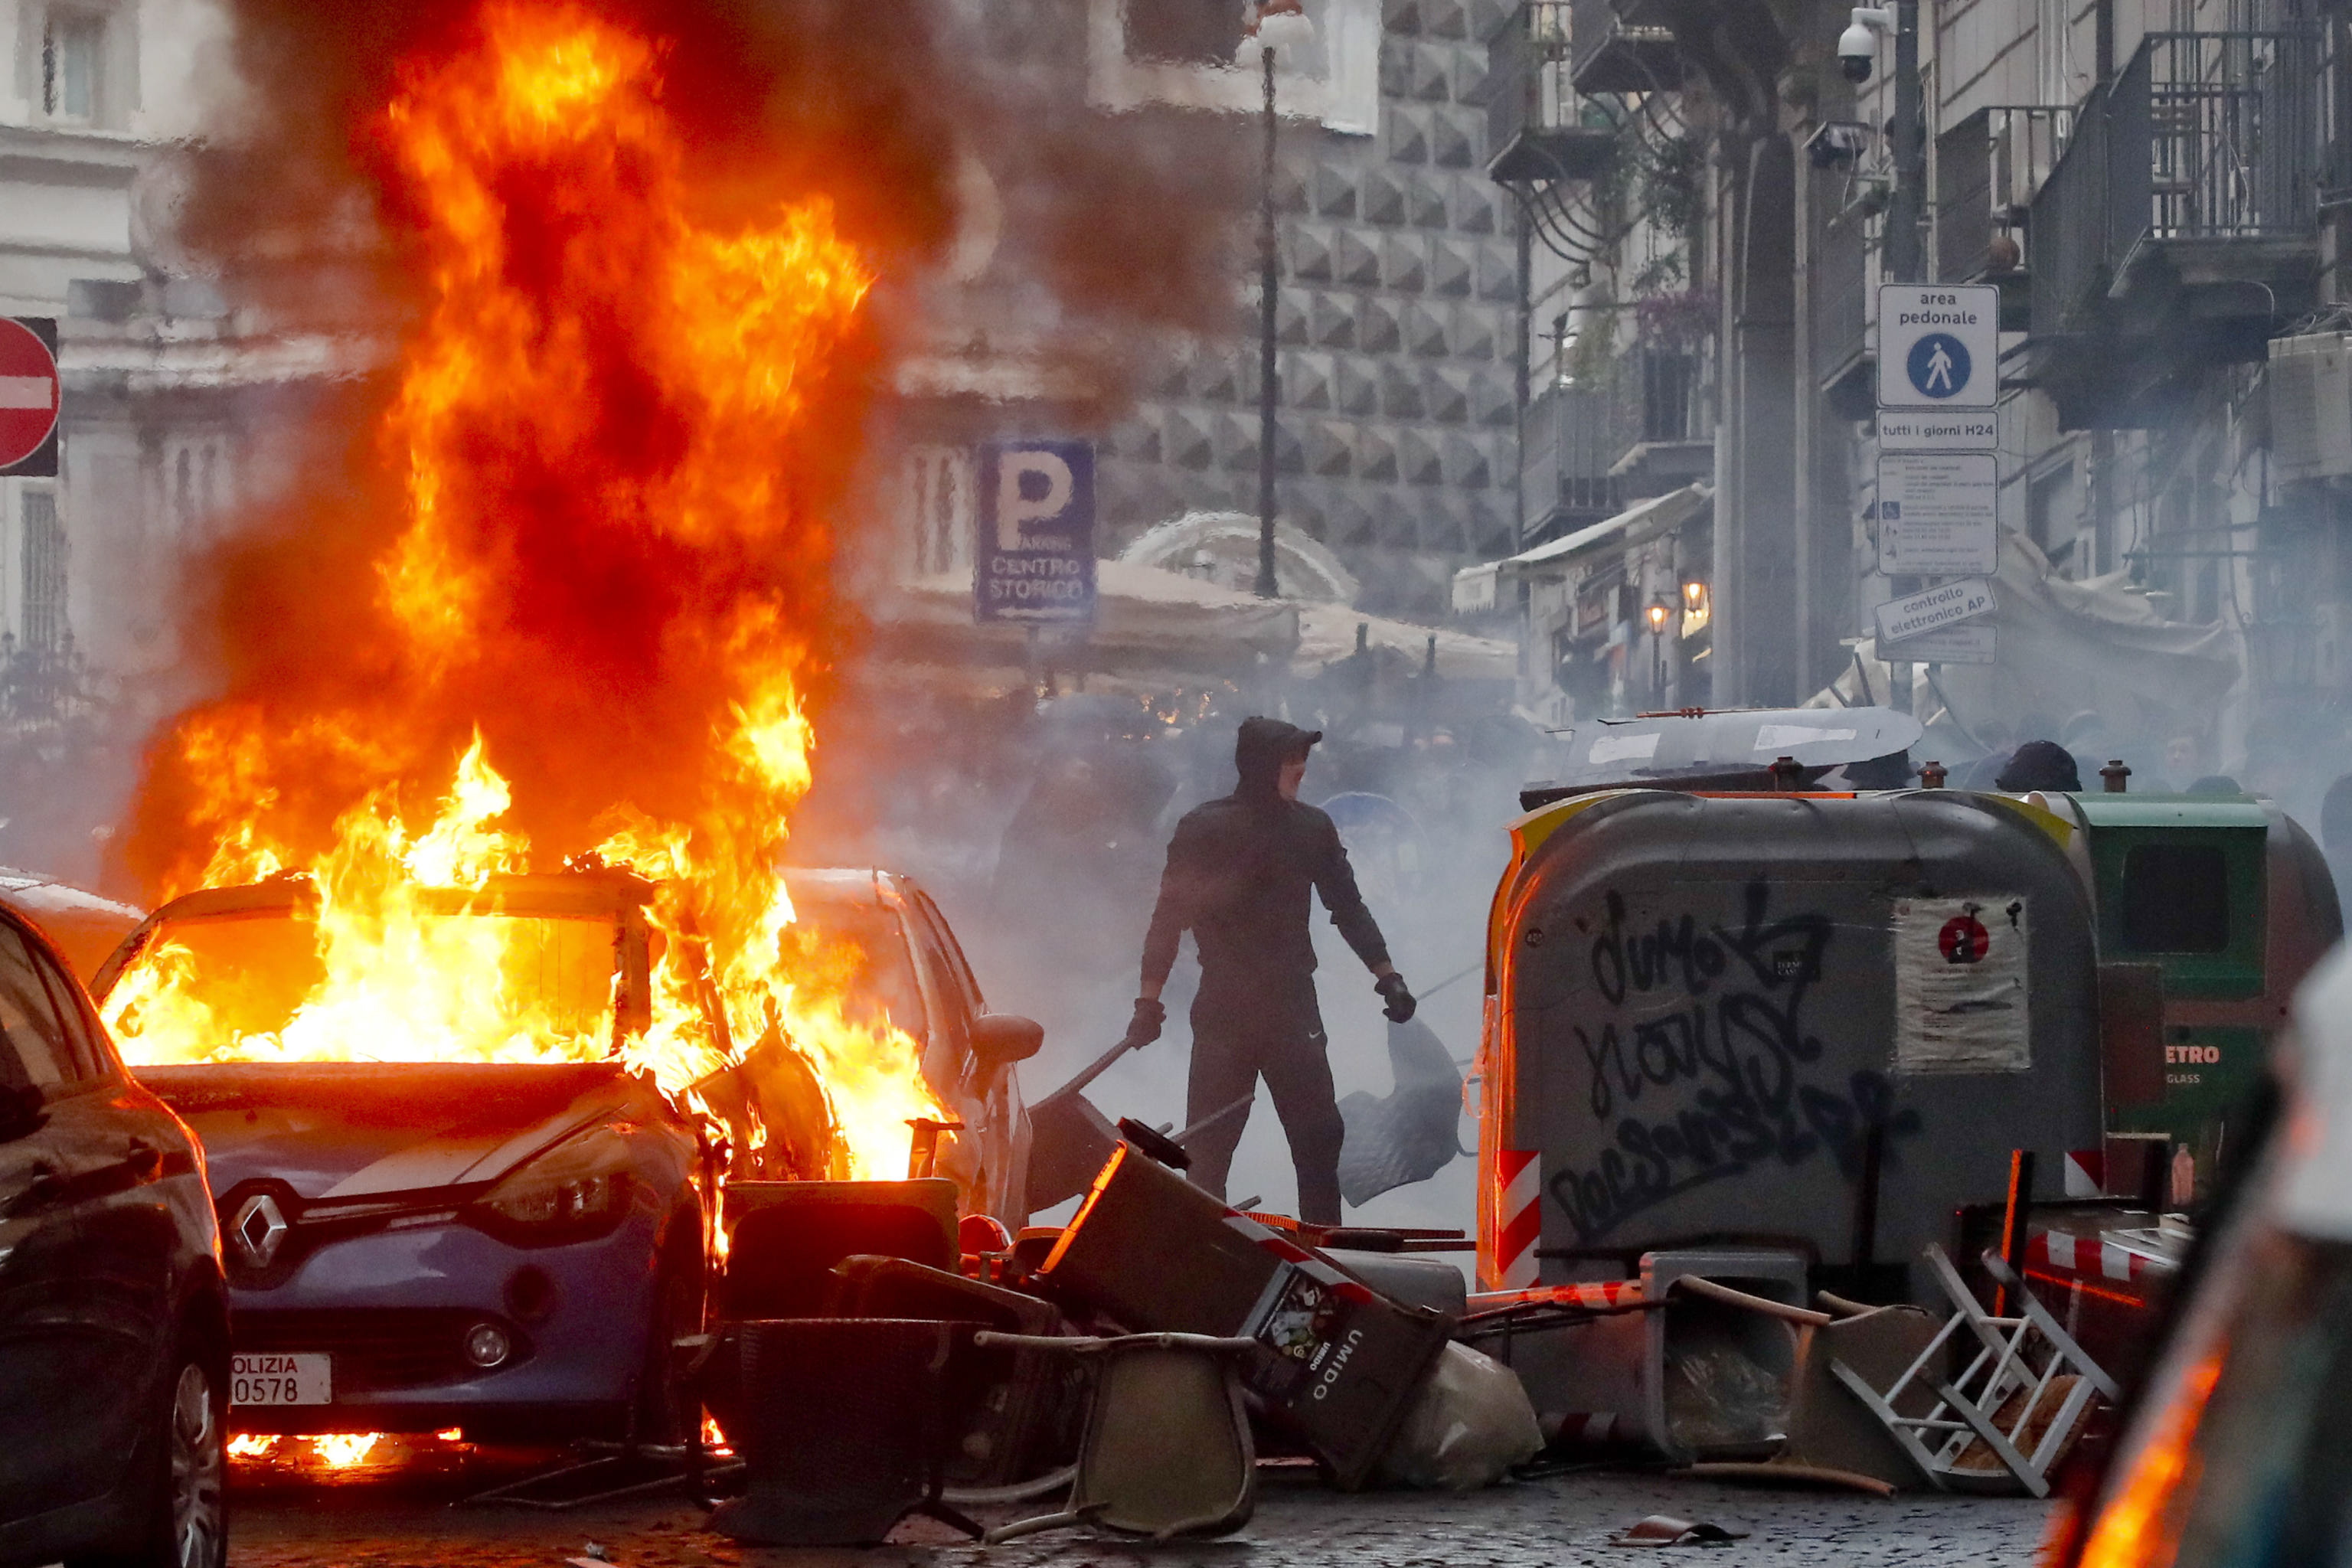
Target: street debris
2008,1417
1468,1427
1167,1449
1413,1133
1121,1360
1338,1360
840,1424
1664,1530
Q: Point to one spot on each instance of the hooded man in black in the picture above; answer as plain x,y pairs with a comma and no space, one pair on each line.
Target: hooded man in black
1238,876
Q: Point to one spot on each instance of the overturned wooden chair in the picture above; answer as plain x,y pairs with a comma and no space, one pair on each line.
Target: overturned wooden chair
2004,1423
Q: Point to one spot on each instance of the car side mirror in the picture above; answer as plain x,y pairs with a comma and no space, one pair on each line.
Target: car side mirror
21,1113
1000,1039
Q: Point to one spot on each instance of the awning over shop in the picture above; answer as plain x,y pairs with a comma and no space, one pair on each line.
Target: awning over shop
2062,648
1329,631
1149,622
1636,525
1144,619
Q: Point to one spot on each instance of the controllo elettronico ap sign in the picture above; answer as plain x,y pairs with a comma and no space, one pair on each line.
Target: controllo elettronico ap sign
31,397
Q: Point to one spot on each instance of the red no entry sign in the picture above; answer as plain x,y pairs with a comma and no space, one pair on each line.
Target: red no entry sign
29,393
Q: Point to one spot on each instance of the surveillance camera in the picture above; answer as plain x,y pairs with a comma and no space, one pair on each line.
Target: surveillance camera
1837,144
1858,44
1857,51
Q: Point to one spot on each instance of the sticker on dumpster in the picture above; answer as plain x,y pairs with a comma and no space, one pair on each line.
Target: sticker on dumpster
1963,939
1960,991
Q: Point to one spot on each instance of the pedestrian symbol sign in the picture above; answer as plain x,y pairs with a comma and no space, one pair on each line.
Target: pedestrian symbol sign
1938,365
1938,345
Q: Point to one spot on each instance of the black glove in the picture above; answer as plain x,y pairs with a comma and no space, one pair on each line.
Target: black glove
1144,1028
1398,1001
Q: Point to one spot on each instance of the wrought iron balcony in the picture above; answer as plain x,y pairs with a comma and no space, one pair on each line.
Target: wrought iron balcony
1536,121
1633,428
2179,226
1574,433
1617,45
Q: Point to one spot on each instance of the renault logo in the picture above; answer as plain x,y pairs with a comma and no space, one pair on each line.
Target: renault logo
259,1229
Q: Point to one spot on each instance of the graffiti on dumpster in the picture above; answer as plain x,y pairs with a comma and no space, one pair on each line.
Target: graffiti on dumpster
1716,1087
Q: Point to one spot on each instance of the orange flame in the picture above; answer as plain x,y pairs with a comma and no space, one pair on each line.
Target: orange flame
613,380
342,1450
2140,1528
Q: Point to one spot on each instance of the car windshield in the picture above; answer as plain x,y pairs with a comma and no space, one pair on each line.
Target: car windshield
487,985
864,946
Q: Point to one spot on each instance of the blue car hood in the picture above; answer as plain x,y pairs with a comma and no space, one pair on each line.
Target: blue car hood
340,1130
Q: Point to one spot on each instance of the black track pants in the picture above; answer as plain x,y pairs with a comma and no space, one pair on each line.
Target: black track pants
1241,1034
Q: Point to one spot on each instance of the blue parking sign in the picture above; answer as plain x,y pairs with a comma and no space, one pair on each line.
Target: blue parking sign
1034,559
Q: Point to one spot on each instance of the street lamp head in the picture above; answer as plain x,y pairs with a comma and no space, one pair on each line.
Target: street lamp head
1283,28
1657,613
1694,595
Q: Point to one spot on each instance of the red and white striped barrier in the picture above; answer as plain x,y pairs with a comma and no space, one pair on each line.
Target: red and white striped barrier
1519,1218
1591,1295
1579,1431
2103,1256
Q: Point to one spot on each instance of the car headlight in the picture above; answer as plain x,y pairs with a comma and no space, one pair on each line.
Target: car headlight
576,1191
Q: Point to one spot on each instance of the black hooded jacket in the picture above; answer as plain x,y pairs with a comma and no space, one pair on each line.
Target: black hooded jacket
1238,873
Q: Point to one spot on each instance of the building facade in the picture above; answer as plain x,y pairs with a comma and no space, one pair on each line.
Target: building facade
153,437
2156,189
1397,298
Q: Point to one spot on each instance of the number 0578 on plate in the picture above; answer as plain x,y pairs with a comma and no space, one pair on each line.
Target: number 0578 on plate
300,1378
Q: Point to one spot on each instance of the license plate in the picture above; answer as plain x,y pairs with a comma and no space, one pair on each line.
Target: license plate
302,1378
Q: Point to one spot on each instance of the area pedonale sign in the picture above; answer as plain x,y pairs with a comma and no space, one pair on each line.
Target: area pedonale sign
31,397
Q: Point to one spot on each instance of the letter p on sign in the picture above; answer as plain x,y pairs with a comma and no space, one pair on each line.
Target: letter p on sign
1033,485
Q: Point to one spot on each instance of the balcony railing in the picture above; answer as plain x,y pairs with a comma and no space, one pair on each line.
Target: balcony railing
1615,47
1577,432
1536,120
2202,138
1573,435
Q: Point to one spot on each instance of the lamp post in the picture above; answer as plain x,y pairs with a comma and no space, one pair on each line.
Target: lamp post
1280,25
1905,254
1657,614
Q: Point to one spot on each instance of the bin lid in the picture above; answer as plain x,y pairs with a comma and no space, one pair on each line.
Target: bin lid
1733,748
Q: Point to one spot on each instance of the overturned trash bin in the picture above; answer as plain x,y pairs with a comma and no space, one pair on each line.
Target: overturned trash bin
1659,1364
785,1239
1337,1361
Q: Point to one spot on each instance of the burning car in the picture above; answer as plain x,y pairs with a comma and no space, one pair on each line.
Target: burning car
503,1244
509,1243
908,969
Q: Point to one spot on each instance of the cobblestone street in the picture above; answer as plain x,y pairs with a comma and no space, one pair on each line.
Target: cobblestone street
1562,1521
